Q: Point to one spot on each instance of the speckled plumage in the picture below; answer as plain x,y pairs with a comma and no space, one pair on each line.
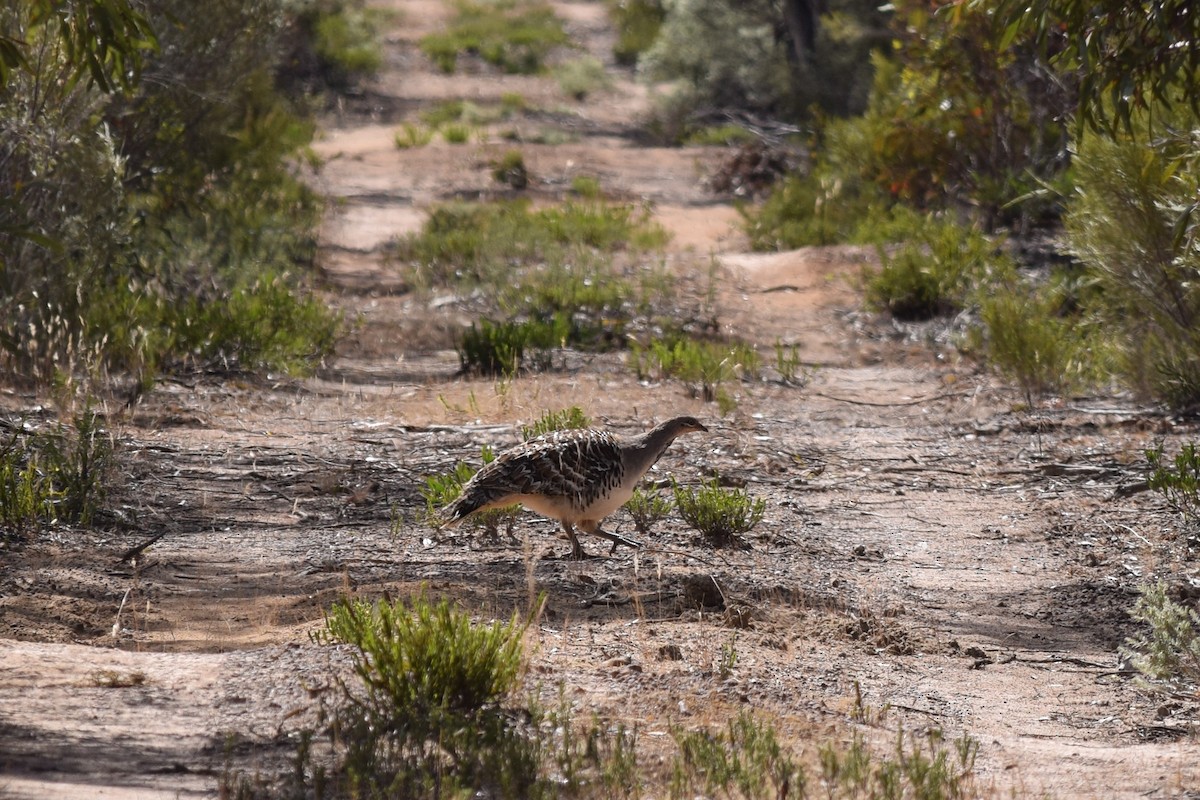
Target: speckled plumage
577,477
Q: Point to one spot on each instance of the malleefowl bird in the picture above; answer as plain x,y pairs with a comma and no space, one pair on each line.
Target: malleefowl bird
577,477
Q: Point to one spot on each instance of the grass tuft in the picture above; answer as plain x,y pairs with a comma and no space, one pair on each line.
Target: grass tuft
571,418
512,35
59,475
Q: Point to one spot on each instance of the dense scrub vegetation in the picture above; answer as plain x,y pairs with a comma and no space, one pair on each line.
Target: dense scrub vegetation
151,214
979,128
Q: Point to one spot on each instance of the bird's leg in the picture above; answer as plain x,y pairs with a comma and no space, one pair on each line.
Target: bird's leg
577,552
616,539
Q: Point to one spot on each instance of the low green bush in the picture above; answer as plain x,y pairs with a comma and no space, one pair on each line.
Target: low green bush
476,243
637,23
581,77
428,715
935,271
411,135
163,203
60,474
510,169
1167,654
647,508
703,365
1178,479
746,757
1032,337
1132,223
720,515
514,35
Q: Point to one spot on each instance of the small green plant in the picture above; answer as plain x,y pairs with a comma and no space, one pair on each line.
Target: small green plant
571,418
702,365
270,324
582,77
493,348
1168,655
456,133
637,23
510,169
720,515
586,186
728,658
513,35
57,475
920,767
426,717
746,757
789,364
476,243
348,41
932,273
411,135
647,508
1178,483
1027,339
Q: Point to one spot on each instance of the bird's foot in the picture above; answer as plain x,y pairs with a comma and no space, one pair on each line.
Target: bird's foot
617,539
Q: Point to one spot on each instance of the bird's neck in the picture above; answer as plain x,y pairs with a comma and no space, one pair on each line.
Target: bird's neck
646,449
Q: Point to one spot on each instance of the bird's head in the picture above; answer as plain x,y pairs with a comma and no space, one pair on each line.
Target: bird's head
682,425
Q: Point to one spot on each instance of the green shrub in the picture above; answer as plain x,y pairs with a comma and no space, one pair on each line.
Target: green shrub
647,508
493,348
1133,226
346,38
921,767
704,366
60,475
832,200
720,515
202,202
957,117
1030,337
551,271
586,186
789,364
934,272
510,169
739,55
581,77
456,134
270,324
1167,655
637,23
728,135
513,35
411,135
746,757
427,717
1178,483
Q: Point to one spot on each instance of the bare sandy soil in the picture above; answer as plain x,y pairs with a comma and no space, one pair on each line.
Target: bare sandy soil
960,558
